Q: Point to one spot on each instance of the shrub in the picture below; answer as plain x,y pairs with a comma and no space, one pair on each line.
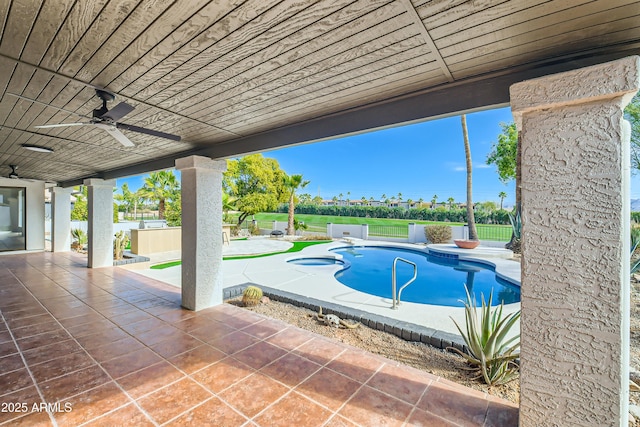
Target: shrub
489,350
80,239
437,233
251,296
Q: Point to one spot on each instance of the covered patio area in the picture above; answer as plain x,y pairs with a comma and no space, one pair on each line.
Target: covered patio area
110,347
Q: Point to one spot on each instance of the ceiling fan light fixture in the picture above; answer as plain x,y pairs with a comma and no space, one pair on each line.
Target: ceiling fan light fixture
37,148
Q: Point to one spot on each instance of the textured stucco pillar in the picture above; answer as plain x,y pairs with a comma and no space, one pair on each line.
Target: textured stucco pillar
575,270
60,219
201,184
100,227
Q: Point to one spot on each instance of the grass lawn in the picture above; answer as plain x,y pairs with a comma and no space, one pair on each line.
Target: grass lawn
318,223
297,247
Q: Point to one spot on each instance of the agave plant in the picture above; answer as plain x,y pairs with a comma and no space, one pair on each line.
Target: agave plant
635,241
490,350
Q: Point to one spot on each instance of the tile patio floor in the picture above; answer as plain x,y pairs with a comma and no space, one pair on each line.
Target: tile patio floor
108,347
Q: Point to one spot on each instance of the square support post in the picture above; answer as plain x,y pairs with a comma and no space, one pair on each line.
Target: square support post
575,241
100,227
60,219
201,182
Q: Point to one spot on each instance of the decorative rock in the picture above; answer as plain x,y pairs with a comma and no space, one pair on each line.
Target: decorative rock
332,320
265,300
634,410
633,386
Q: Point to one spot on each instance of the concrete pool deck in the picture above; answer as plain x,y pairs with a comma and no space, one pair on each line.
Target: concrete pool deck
318,282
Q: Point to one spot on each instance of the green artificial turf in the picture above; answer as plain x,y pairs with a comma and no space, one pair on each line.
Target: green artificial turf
297,247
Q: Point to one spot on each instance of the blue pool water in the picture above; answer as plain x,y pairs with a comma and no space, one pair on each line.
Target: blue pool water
440,280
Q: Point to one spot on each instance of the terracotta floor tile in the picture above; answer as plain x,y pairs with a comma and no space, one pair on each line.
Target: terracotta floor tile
61,366
132,317
43,339
259,355
33,419
157,335
74,383
253,394
370,407
264,329
80,320
290,369
213,331
14,380
27,396
104,337
355,364
501,414
213,412
196,322
238,322
319,350
126,416
289,338
222,374
11,363
50,352
329,388
172,400
91,404
143,325
197,358
338,421
7,348
401,382
150,379
176,315
5,336
130,362
176,346
294,410
115,349
90,328
30,320
37,329
421,418
454,404
234,342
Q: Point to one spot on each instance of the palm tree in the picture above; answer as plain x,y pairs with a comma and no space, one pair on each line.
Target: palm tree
420,201
127,198
399,197
371,199
473,234
502,196
384,197
334,199
160,187
434,200
340,195
450,200
348,201
409,203
364,201
292,183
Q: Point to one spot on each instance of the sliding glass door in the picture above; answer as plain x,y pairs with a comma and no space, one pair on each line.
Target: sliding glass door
12,219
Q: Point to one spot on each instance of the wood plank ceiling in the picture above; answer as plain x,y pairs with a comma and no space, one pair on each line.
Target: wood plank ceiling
225,74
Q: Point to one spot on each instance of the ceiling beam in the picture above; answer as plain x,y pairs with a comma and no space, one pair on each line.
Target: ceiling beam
449,99
413,14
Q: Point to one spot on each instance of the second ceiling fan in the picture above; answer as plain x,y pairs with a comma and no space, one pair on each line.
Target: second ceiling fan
106,119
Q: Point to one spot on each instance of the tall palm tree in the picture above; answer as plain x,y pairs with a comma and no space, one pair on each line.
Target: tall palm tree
502,196
434,200
160,187
292,183
340,195
420,201
473,234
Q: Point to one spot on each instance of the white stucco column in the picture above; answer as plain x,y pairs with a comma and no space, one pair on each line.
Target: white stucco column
575,270
201,183
61,219
100,227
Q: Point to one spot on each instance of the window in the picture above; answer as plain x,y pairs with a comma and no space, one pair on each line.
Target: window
12,219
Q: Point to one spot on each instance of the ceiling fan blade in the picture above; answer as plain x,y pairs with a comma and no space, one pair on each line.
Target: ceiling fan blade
35,101
148,131
118,112
114,132
60,125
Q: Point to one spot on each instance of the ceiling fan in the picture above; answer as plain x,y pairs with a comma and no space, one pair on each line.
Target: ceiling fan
14,174
106,119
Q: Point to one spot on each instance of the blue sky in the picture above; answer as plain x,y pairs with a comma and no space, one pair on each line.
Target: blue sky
419,160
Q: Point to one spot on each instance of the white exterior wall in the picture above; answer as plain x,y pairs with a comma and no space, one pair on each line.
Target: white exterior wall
35,211
575,240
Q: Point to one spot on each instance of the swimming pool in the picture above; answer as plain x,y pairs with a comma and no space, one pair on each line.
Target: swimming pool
440,279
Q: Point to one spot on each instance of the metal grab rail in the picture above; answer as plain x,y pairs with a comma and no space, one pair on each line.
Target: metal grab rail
396,300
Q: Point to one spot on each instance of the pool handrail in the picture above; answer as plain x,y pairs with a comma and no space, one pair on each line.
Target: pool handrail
396,299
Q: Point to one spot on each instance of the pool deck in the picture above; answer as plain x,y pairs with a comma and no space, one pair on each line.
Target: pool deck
318,282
